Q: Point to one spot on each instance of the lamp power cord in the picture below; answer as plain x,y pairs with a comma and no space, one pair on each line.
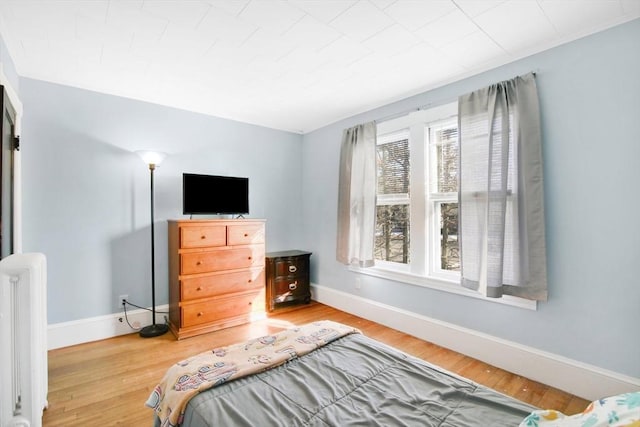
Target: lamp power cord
126,317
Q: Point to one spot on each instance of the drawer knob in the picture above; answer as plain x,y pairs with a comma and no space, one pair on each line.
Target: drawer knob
199,288
203,237
293,269
249,258
200,313
250,302
293,286
246,234
199,263
249,281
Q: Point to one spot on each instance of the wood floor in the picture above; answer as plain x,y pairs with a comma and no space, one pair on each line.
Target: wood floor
106,382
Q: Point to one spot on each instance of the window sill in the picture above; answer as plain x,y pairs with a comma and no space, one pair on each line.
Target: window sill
441,285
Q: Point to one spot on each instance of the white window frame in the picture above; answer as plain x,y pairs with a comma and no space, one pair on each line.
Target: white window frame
434,200
424,271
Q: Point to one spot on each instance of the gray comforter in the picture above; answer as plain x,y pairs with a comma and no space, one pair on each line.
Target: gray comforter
353,381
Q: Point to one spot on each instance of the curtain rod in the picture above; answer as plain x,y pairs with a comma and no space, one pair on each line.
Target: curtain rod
419,108
402,113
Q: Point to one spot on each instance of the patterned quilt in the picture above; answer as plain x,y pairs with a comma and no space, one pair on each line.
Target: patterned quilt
616,411
189,377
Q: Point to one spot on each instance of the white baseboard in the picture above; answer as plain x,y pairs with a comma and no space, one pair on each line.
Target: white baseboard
97,328
587,381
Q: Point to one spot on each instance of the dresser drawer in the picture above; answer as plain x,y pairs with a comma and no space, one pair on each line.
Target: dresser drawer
245,234
222,308
198,237
220,284
223,259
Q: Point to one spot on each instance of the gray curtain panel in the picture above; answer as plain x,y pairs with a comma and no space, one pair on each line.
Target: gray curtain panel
357,196
501,211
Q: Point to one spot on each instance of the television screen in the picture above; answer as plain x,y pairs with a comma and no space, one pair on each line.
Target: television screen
212,194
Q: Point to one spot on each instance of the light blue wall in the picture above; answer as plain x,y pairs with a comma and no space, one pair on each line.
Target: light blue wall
8,67
86,194
590,104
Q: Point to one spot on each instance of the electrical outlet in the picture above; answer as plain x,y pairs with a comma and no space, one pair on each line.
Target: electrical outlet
121,299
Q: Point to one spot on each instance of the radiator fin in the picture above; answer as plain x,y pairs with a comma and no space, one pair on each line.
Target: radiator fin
23,324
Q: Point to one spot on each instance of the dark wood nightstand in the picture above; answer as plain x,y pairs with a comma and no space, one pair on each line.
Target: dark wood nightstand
287,278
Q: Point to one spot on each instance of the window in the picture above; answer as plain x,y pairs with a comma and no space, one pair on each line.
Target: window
417,199
393,201
443,193
416,234
423,174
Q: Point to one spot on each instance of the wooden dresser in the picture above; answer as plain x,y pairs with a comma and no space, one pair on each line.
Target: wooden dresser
216,274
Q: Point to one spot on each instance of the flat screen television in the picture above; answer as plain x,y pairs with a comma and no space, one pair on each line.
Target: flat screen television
214,195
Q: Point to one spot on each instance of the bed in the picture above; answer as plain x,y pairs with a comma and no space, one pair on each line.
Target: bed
344,379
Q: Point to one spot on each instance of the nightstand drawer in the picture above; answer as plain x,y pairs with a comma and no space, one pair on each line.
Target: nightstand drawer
287,289
222,308
221,284
224,259
198,237
294,266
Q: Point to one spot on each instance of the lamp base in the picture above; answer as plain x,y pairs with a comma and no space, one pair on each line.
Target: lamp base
153,330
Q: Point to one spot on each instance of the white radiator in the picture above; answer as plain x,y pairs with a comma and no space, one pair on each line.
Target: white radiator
23,340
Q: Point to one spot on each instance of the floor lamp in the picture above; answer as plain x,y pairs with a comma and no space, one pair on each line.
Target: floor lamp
152,159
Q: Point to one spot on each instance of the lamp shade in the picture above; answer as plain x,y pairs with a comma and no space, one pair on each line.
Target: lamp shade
151,157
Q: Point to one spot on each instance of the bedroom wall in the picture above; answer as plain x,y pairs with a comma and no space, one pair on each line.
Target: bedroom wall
8,67
590,104
86,194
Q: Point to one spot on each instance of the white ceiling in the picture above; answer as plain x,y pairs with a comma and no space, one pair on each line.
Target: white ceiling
294,65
